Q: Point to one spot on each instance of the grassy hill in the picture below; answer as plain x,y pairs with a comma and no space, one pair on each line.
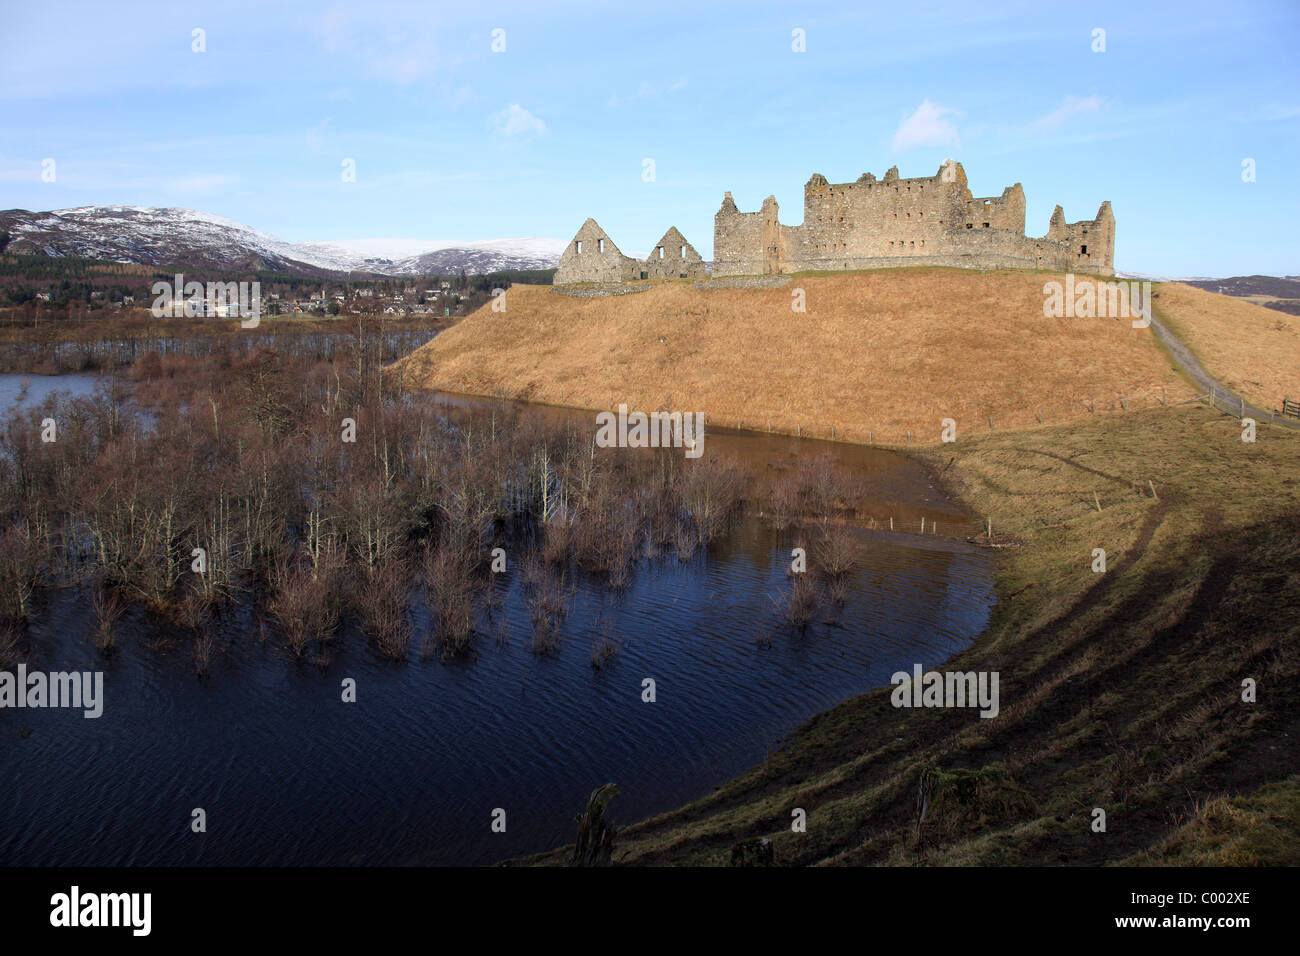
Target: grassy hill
875,355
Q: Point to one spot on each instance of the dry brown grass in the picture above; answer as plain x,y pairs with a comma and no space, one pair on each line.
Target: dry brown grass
876,353
1252,350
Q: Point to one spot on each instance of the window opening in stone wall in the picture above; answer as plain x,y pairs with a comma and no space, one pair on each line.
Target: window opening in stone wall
600,245
579,247
661,252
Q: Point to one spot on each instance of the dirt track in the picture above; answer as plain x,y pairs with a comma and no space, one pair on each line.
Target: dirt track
1230,400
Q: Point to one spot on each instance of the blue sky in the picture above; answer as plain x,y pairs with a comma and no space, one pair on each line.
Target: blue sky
452,140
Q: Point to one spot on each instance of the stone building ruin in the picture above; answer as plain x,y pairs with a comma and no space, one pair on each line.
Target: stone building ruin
672,257
867,224
593,257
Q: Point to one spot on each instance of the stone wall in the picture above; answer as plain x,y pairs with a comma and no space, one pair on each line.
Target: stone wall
741,240
600,290
743,282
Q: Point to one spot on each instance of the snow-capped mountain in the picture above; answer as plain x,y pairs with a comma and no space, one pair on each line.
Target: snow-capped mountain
436,256
185,237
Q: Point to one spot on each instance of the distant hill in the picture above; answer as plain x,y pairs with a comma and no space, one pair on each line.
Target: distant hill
1285,287
1281,294
186,237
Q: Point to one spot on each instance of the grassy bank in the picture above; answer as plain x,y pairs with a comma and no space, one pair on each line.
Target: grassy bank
1120,690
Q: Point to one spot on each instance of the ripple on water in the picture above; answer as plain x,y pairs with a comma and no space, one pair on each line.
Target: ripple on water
412,772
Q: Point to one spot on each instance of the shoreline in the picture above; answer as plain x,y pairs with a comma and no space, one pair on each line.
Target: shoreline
864,738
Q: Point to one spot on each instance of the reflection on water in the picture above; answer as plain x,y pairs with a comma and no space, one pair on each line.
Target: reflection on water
891,486
412,772
28,390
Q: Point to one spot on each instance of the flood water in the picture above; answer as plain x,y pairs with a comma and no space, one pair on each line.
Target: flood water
27,390
91,354
413,771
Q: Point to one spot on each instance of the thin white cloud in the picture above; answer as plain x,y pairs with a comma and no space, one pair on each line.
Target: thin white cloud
928,126
648,91
1070,107
204,183
514,120
455,98
316,135
391,42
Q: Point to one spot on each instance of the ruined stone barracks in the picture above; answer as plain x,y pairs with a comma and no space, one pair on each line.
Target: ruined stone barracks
868,224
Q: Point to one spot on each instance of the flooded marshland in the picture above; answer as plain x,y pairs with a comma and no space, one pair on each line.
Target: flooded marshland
475,690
